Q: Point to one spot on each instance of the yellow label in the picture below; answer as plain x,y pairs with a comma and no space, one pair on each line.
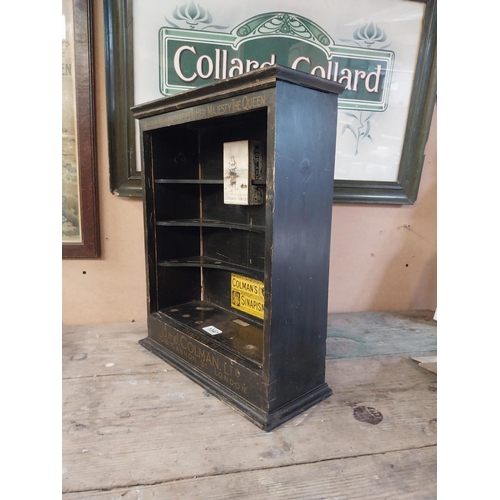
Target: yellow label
247,295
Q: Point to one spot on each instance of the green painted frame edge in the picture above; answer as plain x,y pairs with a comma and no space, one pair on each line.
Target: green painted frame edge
125,180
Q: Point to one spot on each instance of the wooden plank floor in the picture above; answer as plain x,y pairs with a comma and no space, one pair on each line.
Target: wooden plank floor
135,428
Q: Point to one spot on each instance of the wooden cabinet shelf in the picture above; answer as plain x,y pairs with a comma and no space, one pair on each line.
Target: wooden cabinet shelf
256,182
207,262
238,182
211,223
242,339
189,181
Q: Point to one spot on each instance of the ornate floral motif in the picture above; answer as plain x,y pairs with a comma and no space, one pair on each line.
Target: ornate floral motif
366,35
369,34
361,130
285,24
194,16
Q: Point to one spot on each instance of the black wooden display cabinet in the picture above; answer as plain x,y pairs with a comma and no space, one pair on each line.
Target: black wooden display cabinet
201,253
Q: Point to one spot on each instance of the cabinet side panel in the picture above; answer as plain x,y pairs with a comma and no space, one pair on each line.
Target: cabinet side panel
303,186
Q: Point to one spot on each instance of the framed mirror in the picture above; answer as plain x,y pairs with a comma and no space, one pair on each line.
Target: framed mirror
384,51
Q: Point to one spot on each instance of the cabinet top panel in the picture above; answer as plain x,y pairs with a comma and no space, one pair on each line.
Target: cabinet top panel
248,82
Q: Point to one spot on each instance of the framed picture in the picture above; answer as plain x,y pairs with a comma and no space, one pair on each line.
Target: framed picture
80,216
383,51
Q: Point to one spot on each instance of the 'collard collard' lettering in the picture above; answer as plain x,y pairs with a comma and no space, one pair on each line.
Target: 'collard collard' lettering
190,58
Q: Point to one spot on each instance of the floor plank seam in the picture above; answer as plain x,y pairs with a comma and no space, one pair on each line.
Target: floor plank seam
392,354
229,473
104,375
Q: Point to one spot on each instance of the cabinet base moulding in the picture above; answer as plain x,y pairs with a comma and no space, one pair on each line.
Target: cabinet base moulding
263,420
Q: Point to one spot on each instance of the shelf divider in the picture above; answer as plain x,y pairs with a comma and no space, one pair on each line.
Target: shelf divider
189,181
203,261
211,223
